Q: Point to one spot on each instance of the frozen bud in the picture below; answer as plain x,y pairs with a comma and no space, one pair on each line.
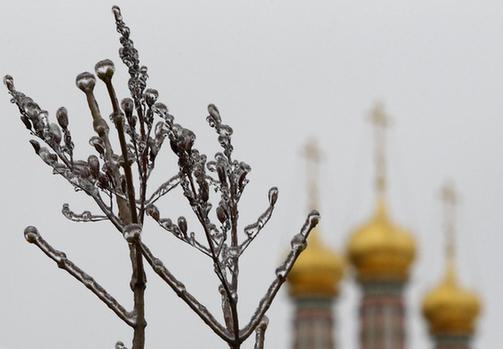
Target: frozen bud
214,115
94,165
132,232
204,193
160,130
116,10
273,195
49,158
62,117
31,234
31,109
188,139
35,145
151,96
55,132
9,82
85,81
221,214
105,69
225,131
100,126
153,212
182,224
98,144
221,174
127,105
161,109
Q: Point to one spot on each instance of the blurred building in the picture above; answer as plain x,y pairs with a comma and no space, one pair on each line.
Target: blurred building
380,254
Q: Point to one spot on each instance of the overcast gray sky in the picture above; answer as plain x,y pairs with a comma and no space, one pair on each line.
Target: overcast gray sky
280,72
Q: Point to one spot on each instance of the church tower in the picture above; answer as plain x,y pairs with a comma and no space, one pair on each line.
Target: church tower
381,253
450,310
314,279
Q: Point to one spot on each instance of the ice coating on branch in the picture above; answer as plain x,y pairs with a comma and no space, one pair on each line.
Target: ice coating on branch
107,179
85,216
85,81
132,232
9,82
31,234
105,69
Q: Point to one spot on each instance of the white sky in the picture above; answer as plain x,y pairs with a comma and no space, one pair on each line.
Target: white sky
280,72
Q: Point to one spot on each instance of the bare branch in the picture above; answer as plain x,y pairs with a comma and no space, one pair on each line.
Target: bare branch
33,236
298,244
182,292
260,332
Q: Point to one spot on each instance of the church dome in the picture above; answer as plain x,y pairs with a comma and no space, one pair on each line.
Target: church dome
381,250
451,309
317,271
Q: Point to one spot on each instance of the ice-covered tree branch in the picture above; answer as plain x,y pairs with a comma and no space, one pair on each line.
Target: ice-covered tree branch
180,289
260,333
142,124
33,236
298,244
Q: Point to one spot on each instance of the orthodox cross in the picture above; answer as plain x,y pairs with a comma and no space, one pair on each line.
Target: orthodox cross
313,156
381,122
450,200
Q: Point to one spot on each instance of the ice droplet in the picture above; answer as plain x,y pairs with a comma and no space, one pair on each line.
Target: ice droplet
182,224
179,287
31,233
132,232
116,10
85,81
281,272
9,82
105,69
298,242
234,297
273,195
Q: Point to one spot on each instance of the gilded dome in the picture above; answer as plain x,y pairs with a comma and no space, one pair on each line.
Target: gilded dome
317,271
381,250
450,309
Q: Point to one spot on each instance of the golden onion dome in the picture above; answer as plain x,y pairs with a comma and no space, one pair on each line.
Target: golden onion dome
450,309
381,250
317,271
